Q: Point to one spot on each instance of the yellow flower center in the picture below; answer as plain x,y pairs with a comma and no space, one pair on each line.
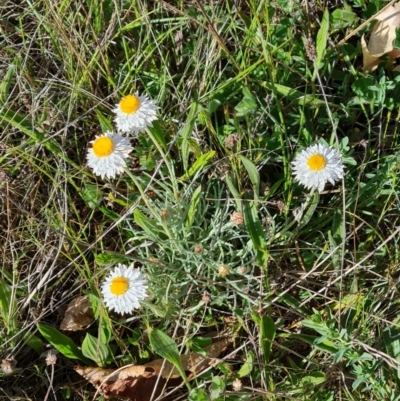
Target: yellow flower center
316,162
119,285
103,146
129,104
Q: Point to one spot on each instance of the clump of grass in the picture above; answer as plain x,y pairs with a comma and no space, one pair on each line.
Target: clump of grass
304,284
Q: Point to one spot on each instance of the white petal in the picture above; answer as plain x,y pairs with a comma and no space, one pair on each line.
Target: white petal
130,300
311,179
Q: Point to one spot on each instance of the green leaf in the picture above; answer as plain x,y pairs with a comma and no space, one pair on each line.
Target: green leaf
313,379
146,224
217,387
267,335
158,135
254,175
94,349
248,104
105,124
199,165
165,346
322,37
199,343
5,300
92,195
247,367
256,232
104,259
198,394
34,342
235,193
25,125
186,134
325,345
5,84
8,307
343,18
109,213
61,342
293,95
196,197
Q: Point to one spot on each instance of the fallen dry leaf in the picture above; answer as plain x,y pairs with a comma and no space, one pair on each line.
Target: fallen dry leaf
78,315
382,37
137,383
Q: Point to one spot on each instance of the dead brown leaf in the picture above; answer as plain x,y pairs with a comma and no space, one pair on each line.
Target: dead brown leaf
78,315
137,383
382,37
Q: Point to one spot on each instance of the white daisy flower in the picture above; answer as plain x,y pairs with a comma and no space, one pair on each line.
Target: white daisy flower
316,165
124,288
107,155
135,113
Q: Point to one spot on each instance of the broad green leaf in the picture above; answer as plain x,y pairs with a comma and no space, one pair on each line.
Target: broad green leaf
95,304
94,349
256,232
199,164
254,175
199,343
213,105
92,195
343,18
267,335
322,37
247,367
61,342
34,342
198,394
165,346
248,104
196,197
217,387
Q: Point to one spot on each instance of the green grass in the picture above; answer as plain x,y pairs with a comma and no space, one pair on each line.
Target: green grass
310,300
